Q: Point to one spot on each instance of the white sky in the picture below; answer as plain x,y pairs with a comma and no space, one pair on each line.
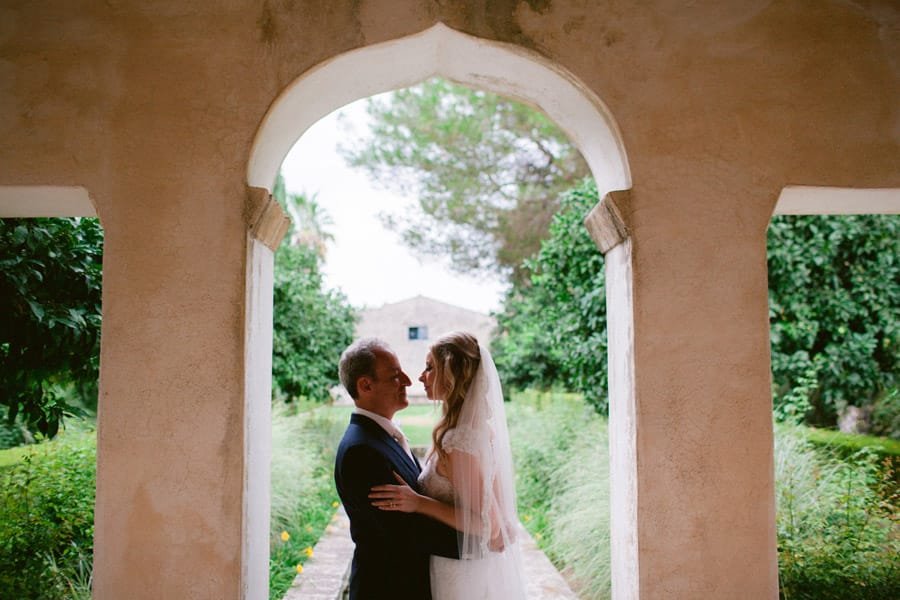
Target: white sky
366,261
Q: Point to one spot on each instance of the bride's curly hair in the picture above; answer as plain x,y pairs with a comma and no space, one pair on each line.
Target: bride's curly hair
455,357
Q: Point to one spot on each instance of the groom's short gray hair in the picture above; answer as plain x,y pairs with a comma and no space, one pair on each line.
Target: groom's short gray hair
358,360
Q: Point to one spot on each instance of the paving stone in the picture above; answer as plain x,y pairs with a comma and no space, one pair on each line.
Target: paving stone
326,573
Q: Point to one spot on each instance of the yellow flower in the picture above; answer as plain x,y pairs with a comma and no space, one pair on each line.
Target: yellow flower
308,551
299,568
538,535
526,518
335,504
285,536
309,529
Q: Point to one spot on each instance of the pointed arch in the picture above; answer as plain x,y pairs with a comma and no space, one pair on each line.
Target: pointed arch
440,51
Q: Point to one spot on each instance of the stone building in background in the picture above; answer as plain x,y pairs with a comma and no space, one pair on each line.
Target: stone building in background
411,326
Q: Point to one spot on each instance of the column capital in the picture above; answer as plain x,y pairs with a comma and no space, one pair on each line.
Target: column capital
605,223
266,220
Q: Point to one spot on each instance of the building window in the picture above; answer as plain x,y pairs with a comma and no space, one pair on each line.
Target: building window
419,332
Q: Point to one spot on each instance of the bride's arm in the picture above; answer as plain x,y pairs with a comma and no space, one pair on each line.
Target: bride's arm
403,498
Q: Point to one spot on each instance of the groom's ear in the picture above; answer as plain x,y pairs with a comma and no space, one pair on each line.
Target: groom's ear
363,384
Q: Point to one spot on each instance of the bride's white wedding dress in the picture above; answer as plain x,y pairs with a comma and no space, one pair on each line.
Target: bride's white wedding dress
496,576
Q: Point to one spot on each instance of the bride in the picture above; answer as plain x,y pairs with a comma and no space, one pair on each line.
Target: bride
468,476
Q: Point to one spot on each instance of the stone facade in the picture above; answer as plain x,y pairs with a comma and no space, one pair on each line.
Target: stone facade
411,326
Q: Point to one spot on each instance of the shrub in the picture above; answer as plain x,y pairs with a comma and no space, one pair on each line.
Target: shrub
837,530
303,492
553,326
50,288
311,326
837,517
561,457
11,434
886,415
47,507
834,296
47,518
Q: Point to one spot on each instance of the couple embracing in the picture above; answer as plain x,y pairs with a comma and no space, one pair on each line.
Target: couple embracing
448,530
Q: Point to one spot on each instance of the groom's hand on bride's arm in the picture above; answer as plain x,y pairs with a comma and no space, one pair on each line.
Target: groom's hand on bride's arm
401,497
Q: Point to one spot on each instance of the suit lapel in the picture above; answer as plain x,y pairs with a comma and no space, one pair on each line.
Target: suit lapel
400,457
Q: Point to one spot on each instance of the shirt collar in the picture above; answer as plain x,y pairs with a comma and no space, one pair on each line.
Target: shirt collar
389,426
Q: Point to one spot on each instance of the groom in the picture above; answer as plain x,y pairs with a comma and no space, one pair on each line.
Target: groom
391,559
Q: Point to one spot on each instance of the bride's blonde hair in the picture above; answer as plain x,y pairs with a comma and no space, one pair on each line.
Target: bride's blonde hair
455,358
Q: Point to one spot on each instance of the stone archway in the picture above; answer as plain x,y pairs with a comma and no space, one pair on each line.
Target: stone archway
720,109
502,69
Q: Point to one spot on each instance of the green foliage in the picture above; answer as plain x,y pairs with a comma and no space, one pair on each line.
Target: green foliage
837,522
485,170
561,454
47,506
834,308
11,434
834,286
846,444
312,326
47,519
50,282
837,519
303,493
885,419
553,327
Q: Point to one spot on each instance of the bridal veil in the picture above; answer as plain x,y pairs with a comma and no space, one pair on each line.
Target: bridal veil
482,477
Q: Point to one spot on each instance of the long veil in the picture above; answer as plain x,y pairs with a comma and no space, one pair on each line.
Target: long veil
482,477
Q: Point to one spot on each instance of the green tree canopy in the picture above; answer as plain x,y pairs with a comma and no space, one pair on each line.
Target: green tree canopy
50,288
485,171
553,326
834,309
312,325
834,296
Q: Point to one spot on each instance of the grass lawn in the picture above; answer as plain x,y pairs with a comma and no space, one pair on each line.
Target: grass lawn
11,456
416,421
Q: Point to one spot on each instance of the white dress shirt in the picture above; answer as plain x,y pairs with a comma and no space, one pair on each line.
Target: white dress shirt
390,427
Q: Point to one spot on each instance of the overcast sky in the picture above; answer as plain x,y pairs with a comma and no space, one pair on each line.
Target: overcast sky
365,260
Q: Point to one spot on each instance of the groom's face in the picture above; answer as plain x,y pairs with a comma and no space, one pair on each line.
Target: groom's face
388,389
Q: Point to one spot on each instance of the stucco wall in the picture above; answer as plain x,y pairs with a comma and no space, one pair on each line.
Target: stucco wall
153,106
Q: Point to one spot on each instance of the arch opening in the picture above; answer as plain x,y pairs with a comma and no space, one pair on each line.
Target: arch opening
441,51
490,66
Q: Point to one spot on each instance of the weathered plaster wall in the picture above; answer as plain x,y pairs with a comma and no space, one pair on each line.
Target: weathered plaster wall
153,107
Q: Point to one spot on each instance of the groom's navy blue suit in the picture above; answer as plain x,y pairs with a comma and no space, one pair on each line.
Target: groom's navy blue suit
391,559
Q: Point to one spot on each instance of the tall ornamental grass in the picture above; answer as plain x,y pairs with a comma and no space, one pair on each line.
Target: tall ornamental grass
561,456
838,519
838,523
303,493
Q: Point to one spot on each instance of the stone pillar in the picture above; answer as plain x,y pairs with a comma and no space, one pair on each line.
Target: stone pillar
692,479
182,468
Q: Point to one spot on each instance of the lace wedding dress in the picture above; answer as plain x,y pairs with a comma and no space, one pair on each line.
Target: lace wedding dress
495,576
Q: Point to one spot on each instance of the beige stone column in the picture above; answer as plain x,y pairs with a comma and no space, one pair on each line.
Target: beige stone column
692,489
182,468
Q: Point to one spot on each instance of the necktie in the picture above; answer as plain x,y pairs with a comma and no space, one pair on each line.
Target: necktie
401,439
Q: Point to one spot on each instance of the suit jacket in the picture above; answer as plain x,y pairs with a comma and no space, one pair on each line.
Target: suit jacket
391,559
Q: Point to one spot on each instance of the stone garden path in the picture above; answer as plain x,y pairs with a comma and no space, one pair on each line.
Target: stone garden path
325,574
